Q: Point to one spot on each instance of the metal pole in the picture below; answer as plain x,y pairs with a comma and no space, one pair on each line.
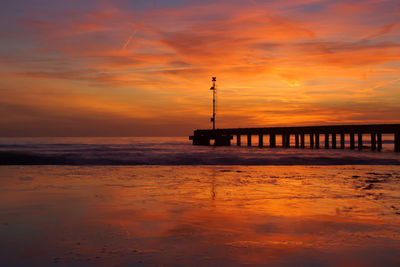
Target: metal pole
214,108
214,79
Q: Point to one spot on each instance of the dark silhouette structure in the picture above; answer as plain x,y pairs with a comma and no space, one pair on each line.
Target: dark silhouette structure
214,89
223,137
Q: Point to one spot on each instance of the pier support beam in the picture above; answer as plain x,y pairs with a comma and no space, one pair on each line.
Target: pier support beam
334,141
397,142
272,140
311,140
379,137
317,140
286,140
201,140
352,145
373,141
223,137
342,141
249,140
223,140
326,140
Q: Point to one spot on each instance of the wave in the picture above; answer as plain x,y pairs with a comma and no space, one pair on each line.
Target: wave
142,151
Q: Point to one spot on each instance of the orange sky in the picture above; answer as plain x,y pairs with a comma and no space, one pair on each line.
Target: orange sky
144,68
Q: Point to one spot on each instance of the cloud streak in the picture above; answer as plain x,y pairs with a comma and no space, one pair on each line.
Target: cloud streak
297,54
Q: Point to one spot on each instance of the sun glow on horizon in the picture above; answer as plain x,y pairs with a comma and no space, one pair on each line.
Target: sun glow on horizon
144,67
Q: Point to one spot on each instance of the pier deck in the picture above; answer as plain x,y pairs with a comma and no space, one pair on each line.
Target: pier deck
223,137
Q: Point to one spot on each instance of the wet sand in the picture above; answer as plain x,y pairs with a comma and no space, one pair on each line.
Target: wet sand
200,215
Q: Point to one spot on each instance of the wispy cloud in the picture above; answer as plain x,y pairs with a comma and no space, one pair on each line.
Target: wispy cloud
160,56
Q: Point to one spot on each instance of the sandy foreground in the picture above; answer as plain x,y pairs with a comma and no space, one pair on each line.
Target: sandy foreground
199,215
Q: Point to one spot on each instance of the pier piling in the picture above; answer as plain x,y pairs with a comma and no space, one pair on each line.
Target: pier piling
272,140
302,141
201,141
326,140
283,140
311,140
373,141
317,140
222,140
334,141
342,141
223,137
352,144
379,137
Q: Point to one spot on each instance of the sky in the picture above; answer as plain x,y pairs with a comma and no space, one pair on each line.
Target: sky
144,68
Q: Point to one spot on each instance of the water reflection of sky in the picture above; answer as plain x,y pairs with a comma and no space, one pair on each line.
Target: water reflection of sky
178,151
206,215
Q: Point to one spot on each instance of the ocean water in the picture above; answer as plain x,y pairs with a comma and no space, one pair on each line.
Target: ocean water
164,202
174,151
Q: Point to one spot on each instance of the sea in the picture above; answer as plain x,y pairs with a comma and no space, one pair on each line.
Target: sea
164,202
177,151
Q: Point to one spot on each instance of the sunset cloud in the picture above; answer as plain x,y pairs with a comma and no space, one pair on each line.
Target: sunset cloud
298,62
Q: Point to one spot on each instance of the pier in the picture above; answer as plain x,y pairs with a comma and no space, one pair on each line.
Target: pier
335,136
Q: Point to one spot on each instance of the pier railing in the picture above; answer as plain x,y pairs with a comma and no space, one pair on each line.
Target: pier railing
331,133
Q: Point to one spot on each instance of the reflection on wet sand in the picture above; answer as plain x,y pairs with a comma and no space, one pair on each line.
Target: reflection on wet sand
120,216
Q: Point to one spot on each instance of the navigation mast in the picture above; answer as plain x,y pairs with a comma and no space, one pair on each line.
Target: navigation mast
214,89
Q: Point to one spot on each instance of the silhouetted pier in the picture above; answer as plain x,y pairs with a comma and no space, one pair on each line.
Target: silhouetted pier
331,135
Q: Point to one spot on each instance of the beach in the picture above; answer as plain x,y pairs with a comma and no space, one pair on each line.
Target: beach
200,215
199,133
